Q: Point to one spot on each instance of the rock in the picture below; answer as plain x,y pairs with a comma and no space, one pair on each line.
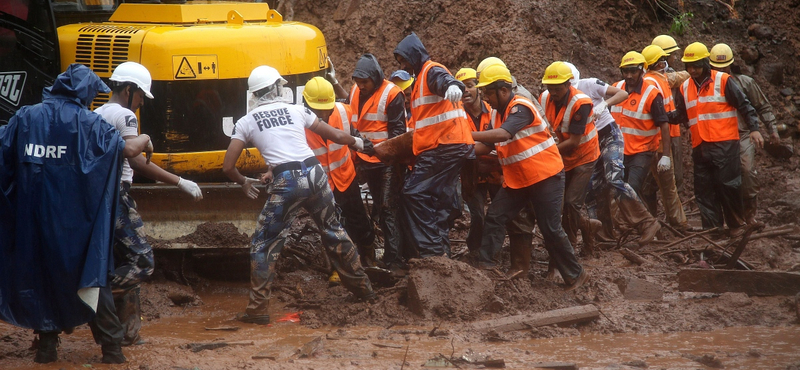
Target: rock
441,287
749,54
773,72
636,363
760,31
736,299
638,289
707,360
780,150
787,91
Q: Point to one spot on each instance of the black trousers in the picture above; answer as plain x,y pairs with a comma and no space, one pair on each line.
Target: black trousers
717,183
354,215
385,184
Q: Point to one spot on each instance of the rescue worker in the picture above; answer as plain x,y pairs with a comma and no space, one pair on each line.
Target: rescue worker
711,105
405,82
441,143
608,180
338,164
644,125
655,59
277,130
533,171
379,114
133,255
570,112
675,79
63,161
483,177
721,59
516,88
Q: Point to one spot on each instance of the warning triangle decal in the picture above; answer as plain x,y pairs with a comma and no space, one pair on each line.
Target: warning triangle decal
185,70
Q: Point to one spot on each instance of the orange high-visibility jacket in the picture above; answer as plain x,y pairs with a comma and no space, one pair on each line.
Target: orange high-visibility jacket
335,158
666,94
372,121
588,149
711,118
436,120
488,120
639,131
531,154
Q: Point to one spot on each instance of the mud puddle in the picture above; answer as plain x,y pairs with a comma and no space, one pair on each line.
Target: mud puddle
288,345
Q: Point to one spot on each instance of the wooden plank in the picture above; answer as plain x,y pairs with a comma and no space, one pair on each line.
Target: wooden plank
556,365
759,283
564,316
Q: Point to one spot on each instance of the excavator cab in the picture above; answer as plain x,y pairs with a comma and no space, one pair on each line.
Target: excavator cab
199,53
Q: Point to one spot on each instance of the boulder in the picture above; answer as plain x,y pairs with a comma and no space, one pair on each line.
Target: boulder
637,289
760,31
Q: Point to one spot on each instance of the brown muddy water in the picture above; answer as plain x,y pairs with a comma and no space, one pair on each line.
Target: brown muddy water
381,348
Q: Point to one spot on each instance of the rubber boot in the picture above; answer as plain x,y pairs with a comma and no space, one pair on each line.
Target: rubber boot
588,229
637,214
112,354
47,351
129,312
750,210
520,246
368,255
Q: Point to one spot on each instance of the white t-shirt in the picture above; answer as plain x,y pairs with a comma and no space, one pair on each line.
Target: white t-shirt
277,130
596,90
124,120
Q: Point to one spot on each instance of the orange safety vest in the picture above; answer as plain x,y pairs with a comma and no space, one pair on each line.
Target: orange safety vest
639,131
588,149
666,94
335,158
531,154
372,121
711,118
436,120
487,122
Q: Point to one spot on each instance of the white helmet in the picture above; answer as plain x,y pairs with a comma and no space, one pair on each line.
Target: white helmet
576,75
264,76
135,73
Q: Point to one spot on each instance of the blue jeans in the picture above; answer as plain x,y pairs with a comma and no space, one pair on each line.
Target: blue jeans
289,191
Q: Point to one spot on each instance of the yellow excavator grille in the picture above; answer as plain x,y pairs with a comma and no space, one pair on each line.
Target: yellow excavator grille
102,48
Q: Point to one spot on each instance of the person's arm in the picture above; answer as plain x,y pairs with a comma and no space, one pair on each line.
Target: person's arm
496,135
763,107
615,95
135,146
329,133
439,81
659,116
680,115
150,170
513,123
229,169
675,79
577,128
396,115
736,98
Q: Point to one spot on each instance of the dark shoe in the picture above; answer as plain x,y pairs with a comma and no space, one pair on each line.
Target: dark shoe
649,231
137,341
112,354
47,350
253,319
578,282
370,297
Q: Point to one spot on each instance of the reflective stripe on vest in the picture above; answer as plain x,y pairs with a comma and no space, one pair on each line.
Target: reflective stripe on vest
588,148
440,118
639,113
372,121
640,133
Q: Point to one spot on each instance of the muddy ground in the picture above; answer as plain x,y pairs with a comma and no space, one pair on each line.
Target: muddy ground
193,291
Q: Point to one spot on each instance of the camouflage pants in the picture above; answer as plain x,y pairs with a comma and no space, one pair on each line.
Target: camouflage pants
133,255
291,189
608,175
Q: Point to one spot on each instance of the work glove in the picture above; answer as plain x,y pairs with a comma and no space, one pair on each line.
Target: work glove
249,187
664,164
191,188
599,109
369,148
453,94
331,75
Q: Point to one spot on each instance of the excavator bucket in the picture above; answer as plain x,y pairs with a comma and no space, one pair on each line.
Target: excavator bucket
225,218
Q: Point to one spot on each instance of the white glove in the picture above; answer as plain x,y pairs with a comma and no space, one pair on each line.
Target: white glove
249,187
331,72
599,109
453,94
191,188
359,145
664,164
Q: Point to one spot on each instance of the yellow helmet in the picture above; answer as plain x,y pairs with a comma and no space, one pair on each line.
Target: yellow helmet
721,55
319,94
632,59
666,42
464,74
557,73
694,52
652,53
493,73
488,62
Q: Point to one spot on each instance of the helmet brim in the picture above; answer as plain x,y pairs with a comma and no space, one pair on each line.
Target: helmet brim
672,49
321,106
722,65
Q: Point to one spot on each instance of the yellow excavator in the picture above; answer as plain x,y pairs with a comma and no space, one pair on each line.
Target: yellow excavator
199,53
